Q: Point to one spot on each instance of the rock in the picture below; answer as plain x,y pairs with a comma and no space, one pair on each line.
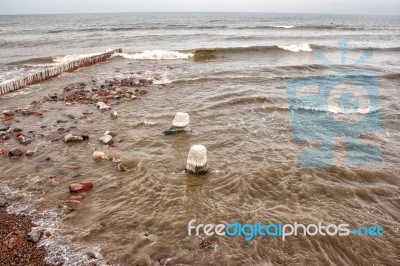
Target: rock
126,82
15,152
207,245
106,139
5,137
80,187
3,151
72,204
3,202
71,117
36,113
122,167
197,160
4,127
16,129
11,242
98,155
87,112
114,114
30,153
181,120
142,92
102,106
8,113
78,198
24,140
71,138
91,255
35,235
181,123
25,112
52,97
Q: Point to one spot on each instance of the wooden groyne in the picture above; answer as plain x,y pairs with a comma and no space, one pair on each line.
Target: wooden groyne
49,73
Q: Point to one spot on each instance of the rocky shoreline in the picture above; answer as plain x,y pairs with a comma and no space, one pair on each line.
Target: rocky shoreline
18,243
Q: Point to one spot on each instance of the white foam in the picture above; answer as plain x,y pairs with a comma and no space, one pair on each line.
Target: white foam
156,55
285,27
304,47
72,57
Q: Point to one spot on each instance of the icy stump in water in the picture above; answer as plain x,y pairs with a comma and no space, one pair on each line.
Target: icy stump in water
181,123
197,160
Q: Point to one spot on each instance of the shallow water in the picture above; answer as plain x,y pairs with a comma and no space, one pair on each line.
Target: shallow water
238,104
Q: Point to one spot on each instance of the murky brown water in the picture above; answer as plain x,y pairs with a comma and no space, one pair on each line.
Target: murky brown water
141,216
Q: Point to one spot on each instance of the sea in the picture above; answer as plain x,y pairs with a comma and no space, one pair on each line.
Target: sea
233,74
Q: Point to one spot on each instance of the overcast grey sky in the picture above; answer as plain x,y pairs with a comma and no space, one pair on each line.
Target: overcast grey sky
386,7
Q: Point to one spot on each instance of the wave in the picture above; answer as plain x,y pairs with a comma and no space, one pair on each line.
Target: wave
211,53
156,55
305,47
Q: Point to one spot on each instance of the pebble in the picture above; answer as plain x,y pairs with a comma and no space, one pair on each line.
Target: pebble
35,235
3,202
122,167
4,128
3,151
8,113
87,112
98,155
15,152
114,114
80,187
25,112
73,204
71,138
24,140
16,129
102,106
106,139
78,198
30,153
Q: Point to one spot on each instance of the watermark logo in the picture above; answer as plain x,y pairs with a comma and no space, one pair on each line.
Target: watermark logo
279,229
344,103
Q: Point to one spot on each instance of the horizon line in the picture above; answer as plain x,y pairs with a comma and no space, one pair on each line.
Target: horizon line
260,12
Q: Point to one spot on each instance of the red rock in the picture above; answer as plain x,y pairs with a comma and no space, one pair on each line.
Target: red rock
3,151
80,187
143,92
37,113
8,113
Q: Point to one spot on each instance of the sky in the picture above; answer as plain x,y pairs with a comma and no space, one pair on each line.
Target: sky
379,7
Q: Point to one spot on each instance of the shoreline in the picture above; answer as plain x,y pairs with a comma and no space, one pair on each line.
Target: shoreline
15,248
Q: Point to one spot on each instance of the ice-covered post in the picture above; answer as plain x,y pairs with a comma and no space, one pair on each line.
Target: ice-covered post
197,160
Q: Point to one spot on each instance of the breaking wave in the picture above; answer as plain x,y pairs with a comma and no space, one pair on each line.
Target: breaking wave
156,55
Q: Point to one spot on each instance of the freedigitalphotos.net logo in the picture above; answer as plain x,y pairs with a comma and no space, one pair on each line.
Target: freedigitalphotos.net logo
341,104
279,229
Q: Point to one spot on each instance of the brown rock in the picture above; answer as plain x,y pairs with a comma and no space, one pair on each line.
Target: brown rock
3,151
80,187
77,198
15,152
24,140
122,167
25,112
142,92
8,113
